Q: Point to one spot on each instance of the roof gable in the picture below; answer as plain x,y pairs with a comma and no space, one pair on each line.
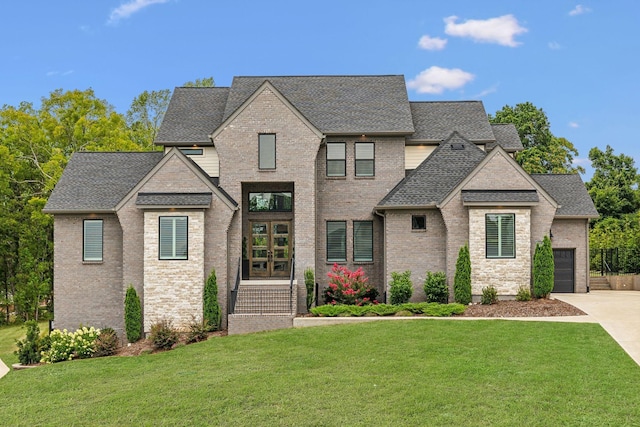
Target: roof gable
570,192
434,121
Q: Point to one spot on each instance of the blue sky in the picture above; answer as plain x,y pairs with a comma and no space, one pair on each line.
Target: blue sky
576,60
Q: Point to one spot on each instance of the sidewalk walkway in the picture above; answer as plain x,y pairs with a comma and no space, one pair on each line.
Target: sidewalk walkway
618,312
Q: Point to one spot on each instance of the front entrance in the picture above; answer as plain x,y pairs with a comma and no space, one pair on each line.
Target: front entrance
270,249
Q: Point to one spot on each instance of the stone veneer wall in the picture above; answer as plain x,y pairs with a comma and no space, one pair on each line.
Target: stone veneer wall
173,288
506,274
418,251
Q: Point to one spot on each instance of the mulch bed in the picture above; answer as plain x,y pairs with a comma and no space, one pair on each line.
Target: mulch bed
533,308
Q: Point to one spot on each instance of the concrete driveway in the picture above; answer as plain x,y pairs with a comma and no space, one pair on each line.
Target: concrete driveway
618,312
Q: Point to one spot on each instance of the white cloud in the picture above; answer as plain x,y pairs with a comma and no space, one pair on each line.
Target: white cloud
500,30
436,80
488,91
127,9
574,125
432,43
59,73
579,10
554,46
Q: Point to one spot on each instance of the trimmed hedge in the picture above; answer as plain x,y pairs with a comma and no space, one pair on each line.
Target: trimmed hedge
432,309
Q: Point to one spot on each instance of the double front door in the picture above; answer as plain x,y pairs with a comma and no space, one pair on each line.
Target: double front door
270,249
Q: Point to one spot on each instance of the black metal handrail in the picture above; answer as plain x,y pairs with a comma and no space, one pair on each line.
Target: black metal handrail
291,278
614,261
234,291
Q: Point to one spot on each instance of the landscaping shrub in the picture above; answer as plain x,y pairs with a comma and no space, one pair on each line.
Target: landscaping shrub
401,287
523,294
421,308
435,287
349,287
198,330
489,295
163,335
211,308
543,269
132,315
462,278
309,283
106,343
29,348
65,345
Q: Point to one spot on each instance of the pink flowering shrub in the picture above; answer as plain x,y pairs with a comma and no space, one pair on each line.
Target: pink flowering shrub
349,287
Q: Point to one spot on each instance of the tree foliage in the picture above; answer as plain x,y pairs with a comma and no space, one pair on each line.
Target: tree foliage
543,152
203,82
462,277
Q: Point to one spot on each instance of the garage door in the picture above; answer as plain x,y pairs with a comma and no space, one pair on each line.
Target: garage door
564,270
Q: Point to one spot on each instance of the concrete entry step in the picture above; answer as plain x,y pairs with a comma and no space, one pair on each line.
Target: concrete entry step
599,284
265,298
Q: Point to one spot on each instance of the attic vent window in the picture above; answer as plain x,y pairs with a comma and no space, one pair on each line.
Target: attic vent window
457,146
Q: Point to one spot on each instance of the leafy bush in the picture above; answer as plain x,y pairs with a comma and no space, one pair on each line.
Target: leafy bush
422,308
309,283
132,315
211,308
543,269
435,287
106,343
524,294
65,345
401,287
198,330
489,295
29,348
349,287
462,278
163,335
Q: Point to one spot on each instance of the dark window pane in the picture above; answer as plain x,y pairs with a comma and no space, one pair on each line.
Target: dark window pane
336,241
363,241
267,151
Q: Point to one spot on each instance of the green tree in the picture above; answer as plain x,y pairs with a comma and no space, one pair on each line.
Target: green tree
211,308
203,82
462,277
614,184
543,152
145,116
132,315
543,269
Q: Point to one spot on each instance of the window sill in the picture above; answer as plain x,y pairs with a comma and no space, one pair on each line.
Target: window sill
365,177
363,262
267,170
336,178
92,262
336,262
419,231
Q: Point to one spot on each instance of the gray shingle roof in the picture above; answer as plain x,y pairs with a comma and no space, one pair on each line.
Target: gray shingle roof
174,199
500,196
437,175
193,113
435,121
94,182
338,104
570,193
506,136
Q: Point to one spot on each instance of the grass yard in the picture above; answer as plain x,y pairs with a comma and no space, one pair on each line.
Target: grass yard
8,337
427,372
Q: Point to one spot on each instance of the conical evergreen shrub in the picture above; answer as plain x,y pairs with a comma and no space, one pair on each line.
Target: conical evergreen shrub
462,278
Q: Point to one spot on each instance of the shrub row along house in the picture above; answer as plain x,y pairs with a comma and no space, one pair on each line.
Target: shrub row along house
274,175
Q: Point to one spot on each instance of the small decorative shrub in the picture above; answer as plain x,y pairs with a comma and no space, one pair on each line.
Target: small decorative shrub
198,330
106,343
163,335
401,287
524,294
422,308
349,287
132,315
489,295
29,348
543,269
435,287
309,283
66,345
211,308
462,278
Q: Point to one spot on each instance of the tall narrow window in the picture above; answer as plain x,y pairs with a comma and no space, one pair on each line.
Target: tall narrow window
336,159
363,241
500,235
365,159
267,151
173,237
336,241
92,240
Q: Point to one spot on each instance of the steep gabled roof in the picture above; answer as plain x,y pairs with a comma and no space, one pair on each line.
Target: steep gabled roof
97,182
337,104
506,137
570,193
437,175
192,114
434,121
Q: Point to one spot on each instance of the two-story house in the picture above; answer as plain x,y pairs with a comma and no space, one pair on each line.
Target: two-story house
273,175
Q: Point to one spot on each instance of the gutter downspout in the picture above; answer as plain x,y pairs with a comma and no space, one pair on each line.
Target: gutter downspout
384,248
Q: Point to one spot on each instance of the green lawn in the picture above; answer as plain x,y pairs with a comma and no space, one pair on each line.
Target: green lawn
425,372
8,337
